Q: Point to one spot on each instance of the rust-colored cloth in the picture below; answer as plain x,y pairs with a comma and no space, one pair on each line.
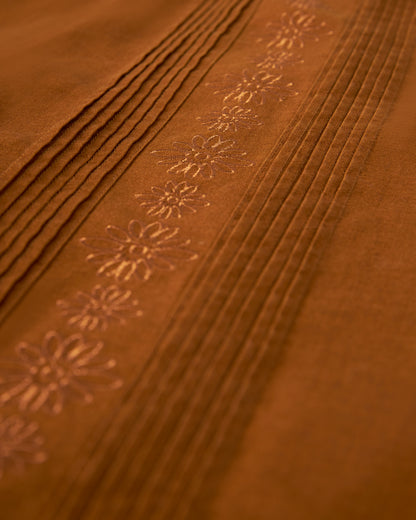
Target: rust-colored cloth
207,274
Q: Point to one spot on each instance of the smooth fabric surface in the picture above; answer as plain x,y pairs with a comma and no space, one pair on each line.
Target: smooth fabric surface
207,270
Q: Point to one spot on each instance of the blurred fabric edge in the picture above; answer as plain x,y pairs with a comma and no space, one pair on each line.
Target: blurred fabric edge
56,57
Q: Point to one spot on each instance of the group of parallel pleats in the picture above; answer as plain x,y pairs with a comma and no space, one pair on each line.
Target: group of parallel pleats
43,202
164,449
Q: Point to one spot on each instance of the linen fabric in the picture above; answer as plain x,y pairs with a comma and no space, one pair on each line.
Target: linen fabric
207,260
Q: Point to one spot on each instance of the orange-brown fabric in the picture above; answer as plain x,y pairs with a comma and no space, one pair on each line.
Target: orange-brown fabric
334,434
206,260
58,56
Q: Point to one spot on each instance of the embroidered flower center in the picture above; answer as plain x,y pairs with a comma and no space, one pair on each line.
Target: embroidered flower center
50,374
94,306
97,308
201,157
136,252
103,308
172,200
251,85
225,118
292,31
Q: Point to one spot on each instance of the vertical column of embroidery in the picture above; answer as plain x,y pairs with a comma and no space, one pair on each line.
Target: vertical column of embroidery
242,94
46,376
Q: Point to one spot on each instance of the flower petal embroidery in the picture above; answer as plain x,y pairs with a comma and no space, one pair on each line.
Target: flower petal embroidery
117,234
205,157
62,363
29,354
52,346
231,119
89,311
254,87
276,59
20,444
172,200
293,29
139,248
176,254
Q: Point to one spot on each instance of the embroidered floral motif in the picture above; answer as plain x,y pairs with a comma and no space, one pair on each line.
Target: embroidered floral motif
231,118
254,87
293,29
95,310
275,59
58,370
20,444
172,200
139,251
205,157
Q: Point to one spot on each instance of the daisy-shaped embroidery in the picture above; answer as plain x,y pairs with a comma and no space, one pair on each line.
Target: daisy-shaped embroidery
172,200
254,87
20,444
294,29
275,59
95,310
57,370
138,251
231,119
205,157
